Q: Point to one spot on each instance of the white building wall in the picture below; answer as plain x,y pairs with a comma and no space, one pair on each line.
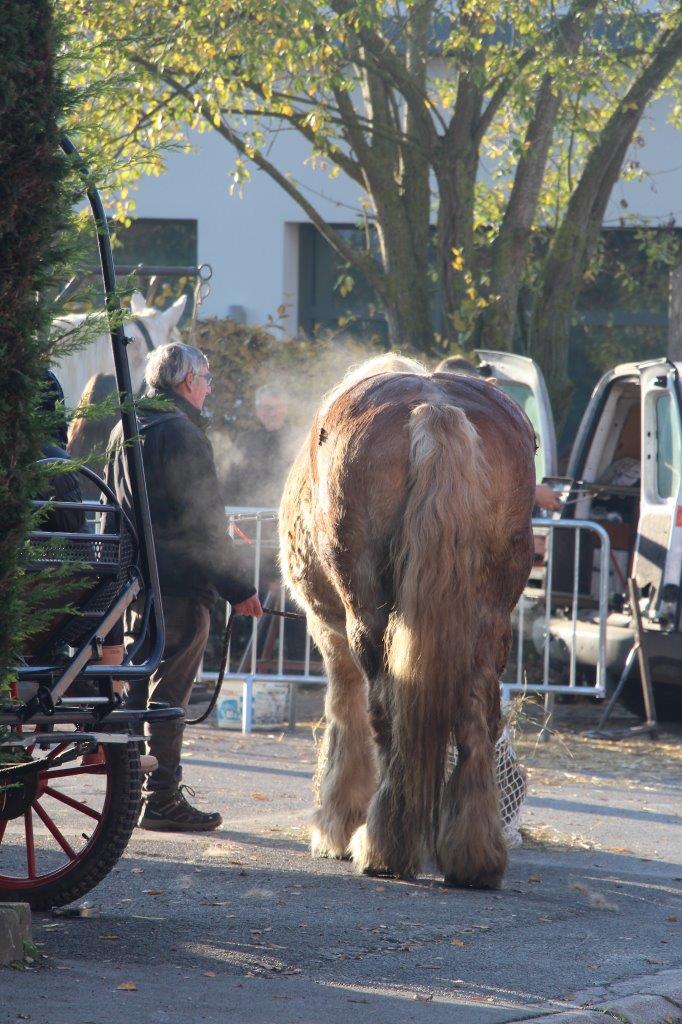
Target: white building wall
251,240
658,149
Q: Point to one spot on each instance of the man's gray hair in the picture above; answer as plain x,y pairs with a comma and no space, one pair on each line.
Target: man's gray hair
168,365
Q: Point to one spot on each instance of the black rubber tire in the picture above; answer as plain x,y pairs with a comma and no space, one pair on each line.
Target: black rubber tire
667,696
125,780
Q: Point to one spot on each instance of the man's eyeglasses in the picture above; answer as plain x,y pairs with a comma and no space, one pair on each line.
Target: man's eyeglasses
208,377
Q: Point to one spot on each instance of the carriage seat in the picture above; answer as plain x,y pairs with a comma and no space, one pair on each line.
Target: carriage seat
76,574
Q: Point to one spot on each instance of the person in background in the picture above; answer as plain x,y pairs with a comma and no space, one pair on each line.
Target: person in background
545,497
262,459
61,486
196,563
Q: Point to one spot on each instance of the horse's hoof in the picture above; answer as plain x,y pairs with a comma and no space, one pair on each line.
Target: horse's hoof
322,846
482,881
364,857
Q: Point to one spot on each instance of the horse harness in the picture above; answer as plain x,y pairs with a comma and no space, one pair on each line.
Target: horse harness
144,331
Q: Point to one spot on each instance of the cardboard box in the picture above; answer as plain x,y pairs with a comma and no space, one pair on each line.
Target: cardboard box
269,704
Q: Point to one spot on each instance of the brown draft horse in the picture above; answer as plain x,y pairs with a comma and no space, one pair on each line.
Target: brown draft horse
405,534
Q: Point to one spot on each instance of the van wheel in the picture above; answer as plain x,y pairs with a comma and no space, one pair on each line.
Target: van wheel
667,696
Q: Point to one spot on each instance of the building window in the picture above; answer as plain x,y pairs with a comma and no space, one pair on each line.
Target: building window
156,241
324,303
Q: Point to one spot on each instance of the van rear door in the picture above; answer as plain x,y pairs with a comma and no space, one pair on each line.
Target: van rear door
522,379
658,552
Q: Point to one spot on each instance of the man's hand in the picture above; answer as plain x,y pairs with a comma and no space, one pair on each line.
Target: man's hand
251,606
547,498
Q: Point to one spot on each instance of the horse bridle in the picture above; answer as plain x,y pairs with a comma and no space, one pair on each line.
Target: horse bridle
144,331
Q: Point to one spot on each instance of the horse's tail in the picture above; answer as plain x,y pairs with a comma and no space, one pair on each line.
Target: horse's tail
439,565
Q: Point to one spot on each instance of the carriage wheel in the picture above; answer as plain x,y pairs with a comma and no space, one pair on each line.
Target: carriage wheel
63,828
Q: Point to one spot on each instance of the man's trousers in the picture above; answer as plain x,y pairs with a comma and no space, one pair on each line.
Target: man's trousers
187,625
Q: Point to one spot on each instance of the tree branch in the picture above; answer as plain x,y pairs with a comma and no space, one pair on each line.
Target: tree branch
500,94
344,160
389,63
567,34
359,259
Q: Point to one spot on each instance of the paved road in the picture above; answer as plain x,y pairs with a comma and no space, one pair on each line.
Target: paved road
242,925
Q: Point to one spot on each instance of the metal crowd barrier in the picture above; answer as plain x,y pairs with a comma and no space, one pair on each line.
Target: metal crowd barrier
254,531
531,667
536,624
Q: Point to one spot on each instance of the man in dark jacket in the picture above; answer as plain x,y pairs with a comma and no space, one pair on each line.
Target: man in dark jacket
195,560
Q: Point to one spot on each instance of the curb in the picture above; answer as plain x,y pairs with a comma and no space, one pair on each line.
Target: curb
650,999
15,929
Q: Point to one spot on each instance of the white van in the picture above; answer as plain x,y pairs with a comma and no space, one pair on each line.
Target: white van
627,461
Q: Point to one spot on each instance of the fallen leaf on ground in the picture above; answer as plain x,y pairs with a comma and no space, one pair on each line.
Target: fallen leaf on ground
456,942
259,796
534,878
127,986
137,871
209,974
110,938
153,892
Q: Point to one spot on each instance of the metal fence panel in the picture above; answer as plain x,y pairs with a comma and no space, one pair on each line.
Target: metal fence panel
267,656
537,626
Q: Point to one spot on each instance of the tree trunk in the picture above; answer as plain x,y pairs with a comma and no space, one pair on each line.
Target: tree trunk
408,313
675,315
406,296
510,248
456,167
578,233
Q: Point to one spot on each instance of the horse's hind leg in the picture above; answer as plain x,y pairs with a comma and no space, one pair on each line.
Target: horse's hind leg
346,768
470,846
390,842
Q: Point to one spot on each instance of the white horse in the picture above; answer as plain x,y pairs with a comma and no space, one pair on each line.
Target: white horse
148,329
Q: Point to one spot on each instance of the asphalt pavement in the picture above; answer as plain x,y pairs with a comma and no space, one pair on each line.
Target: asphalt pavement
242,925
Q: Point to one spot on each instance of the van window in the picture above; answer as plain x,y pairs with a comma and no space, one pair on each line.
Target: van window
668,447
525,397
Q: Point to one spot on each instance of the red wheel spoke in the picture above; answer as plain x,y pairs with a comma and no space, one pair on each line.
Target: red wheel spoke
30,845
54,831
78,769
76,804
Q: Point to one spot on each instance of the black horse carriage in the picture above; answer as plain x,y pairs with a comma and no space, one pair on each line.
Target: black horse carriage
70,779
